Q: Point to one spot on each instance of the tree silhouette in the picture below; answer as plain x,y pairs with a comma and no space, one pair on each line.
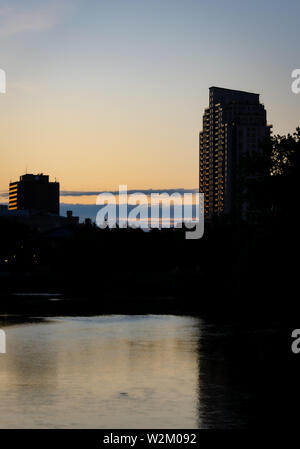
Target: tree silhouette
269,178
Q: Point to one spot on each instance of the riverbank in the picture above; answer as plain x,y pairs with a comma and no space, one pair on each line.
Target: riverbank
52,305
56,304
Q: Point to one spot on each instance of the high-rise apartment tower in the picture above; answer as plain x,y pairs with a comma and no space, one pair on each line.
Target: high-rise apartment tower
234,124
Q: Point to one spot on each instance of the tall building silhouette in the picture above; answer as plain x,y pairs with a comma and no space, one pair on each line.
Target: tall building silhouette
34,193
234,124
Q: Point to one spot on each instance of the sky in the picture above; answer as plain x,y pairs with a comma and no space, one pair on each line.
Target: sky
108,92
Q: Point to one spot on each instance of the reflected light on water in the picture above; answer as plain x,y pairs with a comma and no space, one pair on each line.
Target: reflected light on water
101,372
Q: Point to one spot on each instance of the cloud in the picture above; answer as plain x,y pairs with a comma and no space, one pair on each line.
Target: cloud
79,193
16,19
116,192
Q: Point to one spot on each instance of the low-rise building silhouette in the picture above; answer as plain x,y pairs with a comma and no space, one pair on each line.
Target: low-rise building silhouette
34,193
34,201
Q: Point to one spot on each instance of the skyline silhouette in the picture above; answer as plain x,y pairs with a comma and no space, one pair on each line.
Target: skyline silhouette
110,324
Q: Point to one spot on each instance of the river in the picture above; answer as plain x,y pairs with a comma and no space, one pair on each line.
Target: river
120,371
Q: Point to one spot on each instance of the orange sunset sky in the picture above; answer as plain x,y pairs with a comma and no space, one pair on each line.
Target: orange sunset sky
102,93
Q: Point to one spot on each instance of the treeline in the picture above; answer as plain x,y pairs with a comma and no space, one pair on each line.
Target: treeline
240,265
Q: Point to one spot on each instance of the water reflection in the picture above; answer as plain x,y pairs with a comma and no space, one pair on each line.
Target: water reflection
248,376
73,372
144,372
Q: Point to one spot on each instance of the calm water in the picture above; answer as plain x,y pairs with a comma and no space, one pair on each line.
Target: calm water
125,372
